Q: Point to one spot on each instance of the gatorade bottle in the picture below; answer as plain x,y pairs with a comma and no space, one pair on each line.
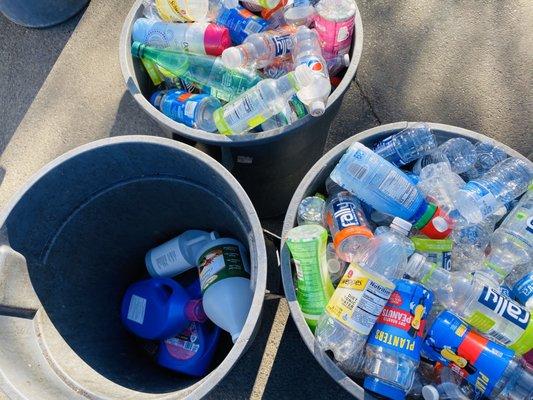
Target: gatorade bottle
241,23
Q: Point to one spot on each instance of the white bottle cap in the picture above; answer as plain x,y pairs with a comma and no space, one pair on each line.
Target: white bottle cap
401,225
430,392
414,264
232,58
440,224
304,75
317,108
346,60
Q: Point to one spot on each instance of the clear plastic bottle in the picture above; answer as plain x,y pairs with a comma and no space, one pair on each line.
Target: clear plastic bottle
440,184
293,111
299,12
336,266
260,49
407,145
347,223
488,155
224,84
387,189
512,243
240,22
459,152
261,102
480,198
362,293
197,38
307,51
311,210
279,67
194,110
482,306
185,11
520,282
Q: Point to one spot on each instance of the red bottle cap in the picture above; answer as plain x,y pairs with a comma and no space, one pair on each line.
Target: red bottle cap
439,226
216,39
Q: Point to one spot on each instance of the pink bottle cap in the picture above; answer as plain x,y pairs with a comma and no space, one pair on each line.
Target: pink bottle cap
194,311
216,39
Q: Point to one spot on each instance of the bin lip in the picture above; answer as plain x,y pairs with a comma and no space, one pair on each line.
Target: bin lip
290,218
207,383
126,65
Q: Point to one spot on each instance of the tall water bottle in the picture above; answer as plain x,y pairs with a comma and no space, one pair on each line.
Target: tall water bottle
482,306
194,110
185,11
307,51
307,244
225,84
261,102
347,223
393,346
512,243
299,12
292,112
361,294
440,184
488,155
459,152
387,189
311,210
493,371
225,279
480,198
241,23
259,49
407,145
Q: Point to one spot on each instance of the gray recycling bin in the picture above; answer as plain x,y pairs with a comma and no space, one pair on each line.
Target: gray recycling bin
269,165
40,13
74,238
314,182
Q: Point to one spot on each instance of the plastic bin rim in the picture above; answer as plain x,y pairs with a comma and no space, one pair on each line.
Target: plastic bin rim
290,217
206,384
126,64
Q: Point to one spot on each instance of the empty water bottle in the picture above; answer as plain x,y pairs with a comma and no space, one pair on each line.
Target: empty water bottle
292,112
482,306
361,295
459,152
307,51
311,210
480,198
387,189
488,154
440,184
194,110
260,49
407,145
261,102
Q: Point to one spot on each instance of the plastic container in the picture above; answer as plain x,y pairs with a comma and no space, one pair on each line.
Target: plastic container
259,161
314,182
40,14
80,239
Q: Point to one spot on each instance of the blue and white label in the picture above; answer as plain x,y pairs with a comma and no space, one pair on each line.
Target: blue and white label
504,307
523,289
241,23
181,106
345,214
282,44
485,199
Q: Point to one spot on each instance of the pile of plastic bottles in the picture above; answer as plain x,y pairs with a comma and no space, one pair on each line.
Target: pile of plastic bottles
181,320
435,301
221,66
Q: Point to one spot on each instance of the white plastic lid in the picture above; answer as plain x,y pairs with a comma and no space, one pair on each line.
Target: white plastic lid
430,392
317,108
232,57
440,224
304,75
401,225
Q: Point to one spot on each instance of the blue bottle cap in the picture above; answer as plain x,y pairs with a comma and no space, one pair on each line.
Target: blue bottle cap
389,391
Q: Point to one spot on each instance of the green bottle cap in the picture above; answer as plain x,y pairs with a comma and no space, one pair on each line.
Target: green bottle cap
136,49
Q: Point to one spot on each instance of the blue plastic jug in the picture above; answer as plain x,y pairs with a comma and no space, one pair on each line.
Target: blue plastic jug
159,308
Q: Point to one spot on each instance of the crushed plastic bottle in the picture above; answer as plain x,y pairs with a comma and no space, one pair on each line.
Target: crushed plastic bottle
311,210
488,155
459,152
361,294
440,184
261,102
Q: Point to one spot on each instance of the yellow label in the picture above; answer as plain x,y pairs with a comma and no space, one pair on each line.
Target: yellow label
449,355
460,331
354,282
171,10
256,121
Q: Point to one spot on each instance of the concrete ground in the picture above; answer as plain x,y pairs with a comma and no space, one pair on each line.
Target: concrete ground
462,63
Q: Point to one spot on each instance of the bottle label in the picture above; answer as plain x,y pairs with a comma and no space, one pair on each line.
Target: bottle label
513,322
282,44
400,326
334,35
480,361
184,346
181,106
436,251
221,262
359,299
523,289
241,23
345,214
137,309
315,64
246,110
486,201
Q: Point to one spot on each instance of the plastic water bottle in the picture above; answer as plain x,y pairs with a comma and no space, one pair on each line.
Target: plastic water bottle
261,102
440,184
307,244
240,23
198,38
299,12
361,294
459,152
225,84
292,112
185,10
337,63
407,145
488,155
347,223
492,370
387,189
336,266
438,251
394,344
311,210
225,279
451,386
177,255
520,282
512,243
335,23
506,181
259,49
194,110
482,306
307,51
